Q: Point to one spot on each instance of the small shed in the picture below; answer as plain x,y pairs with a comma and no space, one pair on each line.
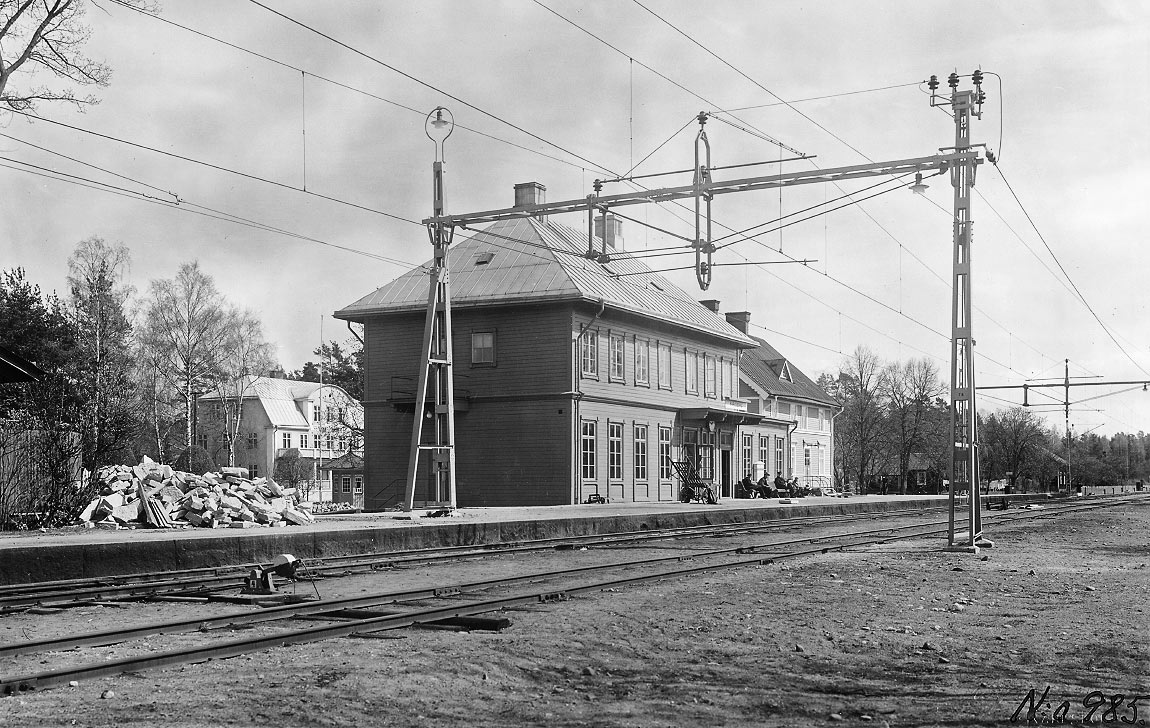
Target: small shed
346,474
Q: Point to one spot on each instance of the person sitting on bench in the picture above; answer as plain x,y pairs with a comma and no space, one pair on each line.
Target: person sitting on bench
781,483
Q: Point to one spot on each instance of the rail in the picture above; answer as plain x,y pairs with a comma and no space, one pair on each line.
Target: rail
736,556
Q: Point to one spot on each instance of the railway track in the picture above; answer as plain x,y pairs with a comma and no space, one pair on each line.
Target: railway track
193,582
369,614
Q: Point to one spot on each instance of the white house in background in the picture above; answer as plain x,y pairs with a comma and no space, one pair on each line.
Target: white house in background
319,420
796,435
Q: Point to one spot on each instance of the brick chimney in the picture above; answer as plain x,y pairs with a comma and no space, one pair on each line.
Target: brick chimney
711,304
530,193
741,320
614,236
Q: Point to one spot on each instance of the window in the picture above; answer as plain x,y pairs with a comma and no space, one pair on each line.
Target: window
709,375
780,464
617,358
806,458
483,348
589,353
615,450
691,358
345,484
664,453
254,470
748,454
359,484
664,366
784,408
253,441
729,379
642,355
640,453
303,440
765,451
587,452
202,440
707,462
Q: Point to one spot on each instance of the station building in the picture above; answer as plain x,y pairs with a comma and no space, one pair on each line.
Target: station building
574,375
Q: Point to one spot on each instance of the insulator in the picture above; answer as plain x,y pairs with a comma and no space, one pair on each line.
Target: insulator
932,84
952,80
981,97
976,77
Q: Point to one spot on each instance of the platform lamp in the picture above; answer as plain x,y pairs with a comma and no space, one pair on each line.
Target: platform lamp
436,352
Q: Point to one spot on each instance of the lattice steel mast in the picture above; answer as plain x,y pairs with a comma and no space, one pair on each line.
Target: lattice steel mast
964,473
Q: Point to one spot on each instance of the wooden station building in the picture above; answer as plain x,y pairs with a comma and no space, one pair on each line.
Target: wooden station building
573,377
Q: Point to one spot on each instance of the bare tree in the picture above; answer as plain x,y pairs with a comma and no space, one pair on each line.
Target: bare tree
910,390
860,423
38,35
184,333
245,358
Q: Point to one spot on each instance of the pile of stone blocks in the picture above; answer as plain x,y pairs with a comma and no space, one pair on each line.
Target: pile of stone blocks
150,494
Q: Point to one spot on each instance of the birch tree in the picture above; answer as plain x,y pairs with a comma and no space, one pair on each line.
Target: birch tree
49,35
99,299
246,358
184,334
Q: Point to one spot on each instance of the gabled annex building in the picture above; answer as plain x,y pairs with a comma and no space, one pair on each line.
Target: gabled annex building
573,376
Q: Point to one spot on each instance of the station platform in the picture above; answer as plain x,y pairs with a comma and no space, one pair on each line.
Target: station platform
80,552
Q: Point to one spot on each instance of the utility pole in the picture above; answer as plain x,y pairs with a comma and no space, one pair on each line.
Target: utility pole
1065,384
964,473
436,371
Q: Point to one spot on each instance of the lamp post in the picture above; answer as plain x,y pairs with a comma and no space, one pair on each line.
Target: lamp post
436,374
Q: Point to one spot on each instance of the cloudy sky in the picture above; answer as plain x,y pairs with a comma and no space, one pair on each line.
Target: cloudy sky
563,92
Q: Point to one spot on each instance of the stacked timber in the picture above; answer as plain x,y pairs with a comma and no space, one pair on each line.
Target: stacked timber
150,494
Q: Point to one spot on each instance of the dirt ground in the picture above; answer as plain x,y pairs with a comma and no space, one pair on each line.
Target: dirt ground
902,634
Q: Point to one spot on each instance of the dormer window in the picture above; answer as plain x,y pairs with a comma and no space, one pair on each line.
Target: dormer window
785,374
484,259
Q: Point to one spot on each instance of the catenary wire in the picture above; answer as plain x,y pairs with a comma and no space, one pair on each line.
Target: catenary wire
185,205
1081,297
219,168
423,83
359,52
660,75
340,84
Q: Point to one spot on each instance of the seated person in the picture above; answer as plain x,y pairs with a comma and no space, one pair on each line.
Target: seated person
746,485
781,482
765,489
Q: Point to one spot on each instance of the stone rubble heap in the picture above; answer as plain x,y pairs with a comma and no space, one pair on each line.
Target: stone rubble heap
150,494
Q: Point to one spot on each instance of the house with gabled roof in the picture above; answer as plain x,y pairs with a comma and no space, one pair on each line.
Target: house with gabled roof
575,375
795,436
277,415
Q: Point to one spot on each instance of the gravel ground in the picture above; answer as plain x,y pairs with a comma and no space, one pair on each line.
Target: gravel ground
901,634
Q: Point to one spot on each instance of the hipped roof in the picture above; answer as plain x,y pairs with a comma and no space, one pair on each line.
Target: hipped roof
280,398
535,261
